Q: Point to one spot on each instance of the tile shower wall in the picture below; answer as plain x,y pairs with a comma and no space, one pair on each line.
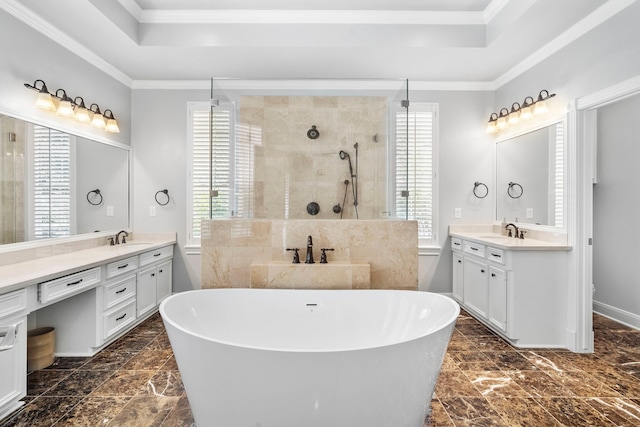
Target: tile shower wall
281,170
12,176
229,247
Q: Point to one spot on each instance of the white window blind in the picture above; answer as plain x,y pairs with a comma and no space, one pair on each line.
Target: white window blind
558,176
210,172
51,183
415,172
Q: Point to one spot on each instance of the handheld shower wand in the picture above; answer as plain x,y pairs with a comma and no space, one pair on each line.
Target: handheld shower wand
345,155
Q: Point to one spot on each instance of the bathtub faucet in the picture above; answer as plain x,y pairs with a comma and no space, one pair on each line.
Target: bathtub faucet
309,259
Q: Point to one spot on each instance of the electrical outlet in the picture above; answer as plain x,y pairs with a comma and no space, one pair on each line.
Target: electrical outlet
109,210
152,210
529,213
457,213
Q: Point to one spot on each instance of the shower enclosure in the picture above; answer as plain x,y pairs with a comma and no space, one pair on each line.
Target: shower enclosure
272,167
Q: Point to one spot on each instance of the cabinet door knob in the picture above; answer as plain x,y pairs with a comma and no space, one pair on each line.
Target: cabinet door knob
493,274
153,274
482,271
459,261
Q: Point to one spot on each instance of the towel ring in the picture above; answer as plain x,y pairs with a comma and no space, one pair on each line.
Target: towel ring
166,193
475,189
510,188
97,193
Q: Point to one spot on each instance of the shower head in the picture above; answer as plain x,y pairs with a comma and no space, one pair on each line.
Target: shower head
345,155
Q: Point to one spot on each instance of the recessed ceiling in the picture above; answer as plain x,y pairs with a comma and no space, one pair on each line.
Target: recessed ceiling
449,41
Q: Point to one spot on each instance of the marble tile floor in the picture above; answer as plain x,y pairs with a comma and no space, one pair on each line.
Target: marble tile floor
484,382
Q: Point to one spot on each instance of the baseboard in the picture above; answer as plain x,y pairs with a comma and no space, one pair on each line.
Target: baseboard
614,313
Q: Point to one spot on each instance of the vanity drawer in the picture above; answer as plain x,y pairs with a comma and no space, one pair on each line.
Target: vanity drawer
156,255
68,285
474,248
495,255
119,291
456,243
118,318
123,266
13,302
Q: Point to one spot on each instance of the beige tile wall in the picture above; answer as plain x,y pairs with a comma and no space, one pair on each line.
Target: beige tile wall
286,170
230,246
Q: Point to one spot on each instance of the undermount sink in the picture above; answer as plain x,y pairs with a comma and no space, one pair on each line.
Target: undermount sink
495,237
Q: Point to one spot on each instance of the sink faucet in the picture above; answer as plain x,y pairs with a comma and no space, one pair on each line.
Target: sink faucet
124,238
515,228
309,259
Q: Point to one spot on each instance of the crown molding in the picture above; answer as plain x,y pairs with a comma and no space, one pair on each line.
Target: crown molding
132,7
608,95
311,17
310,84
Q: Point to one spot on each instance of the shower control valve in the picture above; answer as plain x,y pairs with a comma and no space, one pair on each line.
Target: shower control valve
323,255
296,257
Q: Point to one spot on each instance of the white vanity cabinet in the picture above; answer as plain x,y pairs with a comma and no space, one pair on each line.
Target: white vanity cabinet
518,293
13,350
154,279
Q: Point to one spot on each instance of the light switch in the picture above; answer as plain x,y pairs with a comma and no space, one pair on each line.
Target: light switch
152,210
529,213
109,210
457,213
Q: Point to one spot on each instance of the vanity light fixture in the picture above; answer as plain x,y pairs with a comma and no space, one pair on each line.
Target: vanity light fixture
491,125
502,119
98,120
81,114
514,115
519,112
44,100
73,107
112,125
541,103
65,108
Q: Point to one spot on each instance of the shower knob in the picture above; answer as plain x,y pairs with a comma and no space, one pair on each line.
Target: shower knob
313,133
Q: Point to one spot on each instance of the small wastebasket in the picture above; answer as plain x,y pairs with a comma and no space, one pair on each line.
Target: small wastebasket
41,346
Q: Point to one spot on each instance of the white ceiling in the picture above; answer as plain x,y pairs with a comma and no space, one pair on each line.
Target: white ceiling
482,42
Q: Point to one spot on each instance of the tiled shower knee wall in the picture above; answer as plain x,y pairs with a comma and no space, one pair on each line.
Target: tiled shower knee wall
229,247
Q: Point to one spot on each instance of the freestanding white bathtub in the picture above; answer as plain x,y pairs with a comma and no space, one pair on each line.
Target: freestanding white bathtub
313,358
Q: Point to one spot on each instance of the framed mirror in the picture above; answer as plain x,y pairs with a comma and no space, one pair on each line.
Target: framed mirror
55,184
531,177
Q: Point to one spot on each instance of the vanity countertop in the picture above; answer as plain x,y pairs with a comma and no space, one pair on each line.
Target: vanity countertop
22,274
509,243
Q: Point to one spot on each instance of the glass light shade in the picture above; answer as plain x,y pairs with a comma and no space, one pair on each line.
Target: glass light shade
491,127
540,108
82,115
502,122
98,121
526,113
44,101
65,109
112,126
514,117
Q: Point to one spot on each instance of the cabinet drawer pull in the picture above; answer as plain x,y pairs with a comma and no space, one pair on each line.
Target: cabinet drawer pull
74,283
123,266
496,255
158,254
121,291
121,317
473,249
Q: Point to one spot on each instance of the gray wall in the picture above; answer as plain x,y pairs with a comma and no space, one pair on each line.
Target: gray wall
616,200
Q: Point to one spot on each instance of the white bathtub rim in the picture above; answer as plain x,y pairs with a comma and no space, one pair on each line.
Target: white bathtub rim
183,330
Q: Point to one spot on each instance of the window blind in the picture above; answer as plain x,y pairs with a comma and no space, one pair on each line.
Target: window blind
558,177
414,167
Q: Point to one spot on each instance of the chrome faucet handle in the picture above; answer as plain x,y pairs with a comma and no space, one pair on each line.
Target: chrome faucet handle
111,242
522,233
